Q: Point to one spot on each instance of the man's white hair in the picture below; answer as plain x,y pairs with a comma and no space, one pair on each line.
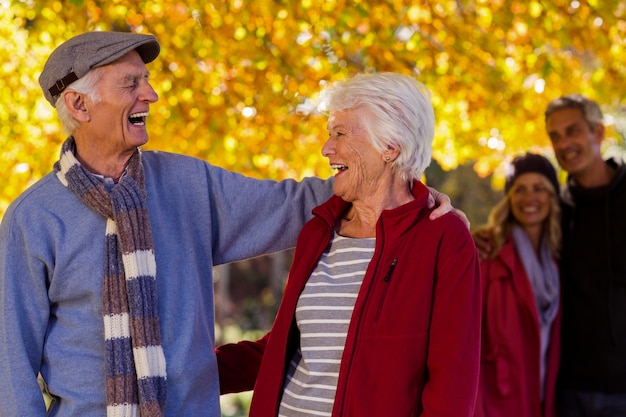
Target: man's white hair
87,85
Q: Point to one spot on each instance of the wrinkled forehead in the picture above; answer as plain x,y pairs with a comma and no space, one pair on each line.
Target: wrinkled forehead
352,118
564,118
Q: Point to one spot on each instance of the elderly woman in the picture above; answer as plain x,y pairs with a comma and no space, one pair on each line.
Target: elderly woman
381,311
520,343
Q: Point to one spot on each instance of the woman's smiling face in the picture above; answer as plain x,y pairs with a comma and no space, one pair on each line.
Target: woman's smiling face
350,151
530,200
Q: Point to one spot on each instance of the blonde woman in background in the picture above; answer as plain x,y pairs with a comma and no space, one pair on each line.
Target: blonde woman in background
521,295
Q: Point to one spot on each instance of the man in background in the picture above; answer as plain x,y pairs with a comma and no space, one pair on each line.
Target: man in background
592,376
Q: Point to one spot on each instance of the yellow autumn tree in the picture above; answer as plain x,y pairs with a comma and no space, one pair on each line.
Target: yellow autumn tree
238,79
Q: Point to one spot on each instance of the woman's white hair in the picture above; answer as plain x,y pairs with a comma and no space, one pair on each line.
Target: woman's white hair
86,85
399,115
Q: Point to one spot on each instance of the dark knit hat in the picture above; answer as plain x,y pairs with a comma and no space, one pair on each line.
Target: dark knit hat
76,57
531,163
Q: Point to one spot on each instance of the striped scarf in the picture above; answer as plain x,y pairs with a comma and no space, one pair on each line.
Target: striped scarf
135,364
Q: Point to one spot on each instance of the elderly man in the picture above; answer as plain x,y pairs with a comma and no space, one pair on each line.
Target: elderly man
105,263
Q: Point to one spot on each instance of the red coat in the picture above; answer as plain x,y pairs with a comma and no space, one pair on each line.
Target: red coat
413,343
509,375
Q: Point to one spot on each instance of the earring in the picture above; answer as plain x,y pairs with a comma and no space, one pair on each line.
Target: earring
387,158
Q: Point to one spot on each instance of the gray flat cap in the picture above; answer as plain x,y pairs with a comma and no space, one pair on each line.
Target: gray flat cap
74,58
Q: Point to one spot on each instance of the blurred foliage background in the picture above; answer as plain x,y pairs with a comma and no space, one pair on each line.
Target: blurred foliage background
238,81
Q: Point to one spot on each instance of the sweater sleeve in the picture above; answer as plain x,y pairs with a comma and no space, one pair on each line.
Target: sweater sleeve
253,217
239,363
453,361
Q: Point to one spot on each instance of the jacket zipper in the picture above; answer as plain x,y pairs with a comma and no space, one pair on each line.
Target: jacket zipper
386,280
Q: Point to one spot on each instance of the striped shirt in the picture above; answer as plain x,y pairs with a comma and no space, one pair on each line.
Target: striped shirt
323,315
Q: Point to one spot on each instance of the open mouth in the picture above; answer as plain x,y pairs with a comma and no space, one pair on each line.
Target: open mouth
339,168
138,119
530,210
568,156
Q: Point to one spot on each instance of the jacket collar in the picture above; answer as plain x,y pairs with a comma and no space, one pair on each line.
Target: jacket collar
399,218
517,276
573,191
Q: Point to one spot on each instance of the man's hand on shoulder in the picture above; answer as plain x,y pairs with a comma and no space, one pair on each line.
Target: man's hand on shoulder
443,205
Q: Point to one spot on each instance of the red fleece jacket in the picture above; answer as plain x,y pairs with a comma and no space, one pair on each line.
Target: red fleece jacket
509,375
413,344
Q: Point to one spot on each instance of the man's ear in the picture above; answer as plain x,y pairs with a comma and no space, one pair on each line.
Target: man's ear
599,132
76,105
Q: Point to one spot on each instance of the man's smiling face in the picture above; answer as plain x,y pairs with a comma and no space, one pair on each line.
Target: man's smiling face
576,145
118,118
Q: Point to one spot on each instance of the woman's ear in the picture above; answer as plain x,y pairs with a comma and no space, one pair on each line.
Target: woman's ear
390,154
76,105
